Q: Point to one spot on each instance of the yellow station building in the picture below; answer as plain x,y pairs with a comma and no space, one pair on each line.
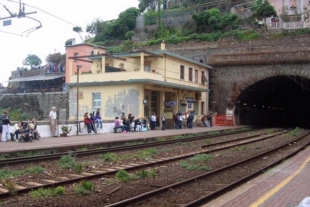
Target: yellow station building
137,82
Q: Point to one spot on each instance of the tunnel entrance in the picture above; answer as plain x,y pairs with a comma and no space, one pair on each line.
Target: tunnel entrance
280,100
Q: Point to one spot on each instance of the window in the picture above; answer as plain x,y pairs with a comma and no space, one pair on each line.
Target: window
96,100
76,55
147,66
190,74
196,76
182,72
203,78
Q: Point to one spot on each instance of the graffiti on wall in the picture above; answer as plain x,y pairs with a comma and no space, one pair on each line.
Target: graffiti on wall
73,105
126,100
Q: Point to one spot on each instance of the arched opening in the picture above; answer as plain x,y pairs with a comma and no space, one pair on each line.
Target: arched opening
280,100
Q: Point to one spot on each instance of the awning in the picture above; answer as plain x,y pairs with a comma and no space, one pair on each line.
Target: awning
37,78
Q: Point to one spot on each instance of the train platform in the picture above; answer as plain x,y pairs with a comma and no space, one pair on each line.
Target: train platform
86,140
285,185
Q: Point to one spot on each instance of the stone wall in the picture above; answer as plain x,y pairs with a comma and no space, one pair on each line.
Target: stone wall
37,105
278,56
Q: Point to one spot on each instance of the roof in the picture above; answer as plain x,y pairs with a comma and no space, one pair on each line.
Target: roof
88,44
159,53
36,78
145,81
182,58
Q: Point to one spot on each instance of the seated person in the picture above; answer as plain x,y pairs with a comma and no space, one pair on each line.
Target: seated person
127,125
138,126
118,124
17,129
36,134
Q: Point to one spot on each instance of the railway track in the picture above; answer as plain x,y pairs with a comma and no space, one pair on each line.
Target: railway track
213,184
32,159
73,178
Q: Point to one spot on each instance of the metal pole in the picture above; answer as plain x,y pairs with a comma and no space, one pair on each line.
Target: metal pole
77,99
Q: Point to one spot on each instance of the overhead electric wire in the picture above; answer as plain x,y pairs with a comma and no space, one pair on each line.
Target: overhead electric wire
59,18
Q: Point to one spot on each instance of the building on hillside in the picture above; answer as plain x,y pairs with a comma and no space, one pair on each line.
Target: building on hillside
292,14
140,82
82,51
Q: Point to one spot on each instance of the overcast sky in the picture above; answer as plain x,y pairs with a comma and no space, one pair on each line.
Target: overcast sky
51,38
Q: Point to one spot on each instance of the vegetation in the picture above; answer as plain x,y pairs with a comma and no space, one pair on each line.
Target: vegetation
84,188
68,162
123,175
9,173
145,154
295,132
45,193
108,157
197,162
32,61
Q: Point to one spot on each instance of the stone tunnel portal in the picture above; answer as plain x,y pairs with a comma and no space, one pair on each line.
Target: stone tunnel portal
280,100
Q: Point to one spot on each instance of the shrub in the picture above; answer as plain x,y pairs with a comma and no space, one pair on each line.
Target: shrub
49,192
84,188
123,175
108,157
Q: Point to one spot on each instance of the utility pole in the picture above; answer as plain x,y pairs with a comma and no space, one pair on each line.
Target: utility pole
77,99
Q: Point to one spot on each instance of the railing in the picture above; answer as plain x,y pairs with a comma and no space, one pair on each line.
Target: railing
33,90
289,25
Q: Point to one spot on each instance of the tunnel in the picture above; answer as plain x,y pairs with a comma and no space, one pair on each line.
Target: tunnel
276,101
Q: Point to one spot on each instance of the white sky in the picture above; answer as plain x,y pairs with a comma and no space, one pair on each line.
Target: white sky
54,32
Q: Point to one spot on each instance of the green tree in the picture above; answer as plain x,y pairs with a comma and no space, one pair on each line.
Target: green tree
78,30
211,20
147,4
263,10
114,29
56,58
32,61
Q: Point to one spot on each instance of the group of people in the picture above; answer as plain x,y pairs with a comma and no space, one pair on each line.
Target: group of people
207,120
130,123
93,121
183,120
20,129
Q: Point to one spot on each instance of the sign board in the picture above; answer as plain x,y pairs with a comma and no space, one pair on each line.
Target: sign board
170,103
7,22
190,100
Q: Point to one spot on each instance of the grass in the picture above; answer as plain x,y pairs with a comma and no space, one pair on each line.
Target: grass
295,132
197,162
8,173
145,154
208,141
84,188
108,157
68,162
45,193
5,156
124,176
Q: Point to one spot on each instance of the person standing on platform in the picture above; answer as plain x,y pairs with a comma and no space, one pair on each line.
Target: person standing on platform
163,122
53,121
87,122
5,122
209,118
153,121
190,120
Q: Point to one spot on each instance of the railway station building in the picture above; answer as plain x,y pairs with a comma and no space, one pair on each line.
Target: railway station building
139,82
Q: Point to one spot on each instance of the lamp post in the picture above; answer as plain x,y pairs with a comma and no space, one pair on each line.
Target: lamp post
77,98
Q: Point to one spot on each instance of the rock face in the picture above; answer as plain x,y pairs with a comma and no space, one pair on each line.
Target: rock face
37,105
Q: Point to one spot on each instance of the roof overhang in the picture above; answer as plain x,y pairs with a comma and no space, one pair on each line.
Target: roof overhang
144,81
37,78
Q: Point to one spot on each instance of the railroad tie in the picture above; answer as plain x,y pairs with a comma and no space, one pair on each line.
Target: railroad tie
49,181
75,175
87,174
34,183
3,190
